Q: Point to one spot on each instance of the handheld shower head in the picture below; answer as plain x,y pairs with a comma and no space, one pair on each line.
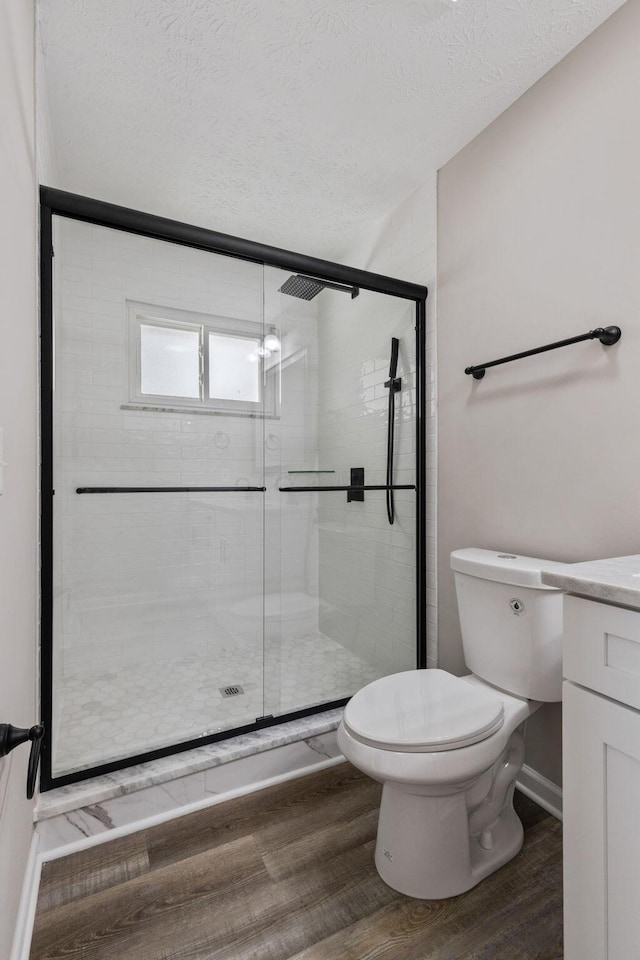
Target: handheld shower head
393,364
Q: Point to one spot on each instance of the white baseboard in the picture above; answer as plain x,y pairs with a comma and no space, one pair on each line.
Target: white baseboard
545,793
28,900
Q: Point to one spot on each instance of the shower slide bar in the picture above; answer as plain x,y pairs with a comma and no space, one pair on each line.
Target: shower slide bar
393,385
170,489
606,335
350,489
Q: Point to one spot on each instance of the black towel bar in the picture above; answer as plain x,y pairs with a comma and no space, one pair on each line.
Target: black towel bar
606,336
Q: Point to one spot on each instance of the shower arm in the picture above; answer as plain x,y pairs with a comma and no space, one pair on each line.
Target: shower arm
328,285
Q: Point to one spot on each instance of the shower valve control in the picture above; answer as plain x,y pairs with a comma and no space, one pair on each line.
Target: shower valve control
356,480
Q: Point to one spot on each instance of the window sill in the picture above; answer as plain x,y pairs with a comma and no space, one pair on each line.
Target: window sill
198,411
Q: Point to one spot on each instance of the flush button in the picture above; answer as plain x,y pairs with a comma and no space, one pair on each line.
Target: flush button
507,556
517,606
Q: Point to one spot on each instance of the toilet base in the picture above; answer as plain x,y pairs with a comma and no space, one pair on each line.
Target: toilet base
424,849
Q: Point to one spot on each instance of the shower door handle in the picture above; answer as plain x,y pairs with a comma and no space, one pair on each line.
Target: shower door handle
11,737
170,489
351,487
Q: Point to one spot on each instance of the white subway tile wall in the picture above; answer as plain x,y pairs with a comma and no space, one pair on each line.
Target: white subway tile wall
403,244
146,584
367,565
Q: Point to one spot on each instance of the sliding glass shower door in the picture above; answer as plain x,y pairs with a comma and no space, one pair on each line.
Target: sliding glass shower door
217,546
340,599
159,403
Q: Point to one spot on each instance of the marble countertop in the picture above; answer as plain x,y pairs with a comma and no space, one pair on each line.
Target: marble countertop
616,580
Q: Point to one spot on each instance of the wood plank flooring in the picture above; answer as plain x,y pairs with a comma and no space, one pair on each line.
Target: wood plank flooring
288,874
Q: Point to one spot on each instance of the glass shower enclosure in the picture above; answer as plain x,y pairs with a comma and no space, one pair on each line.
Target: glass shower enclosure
217,551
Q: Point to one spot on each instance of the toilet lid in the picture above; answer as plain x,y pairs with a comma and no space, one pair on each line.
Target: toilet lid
423,711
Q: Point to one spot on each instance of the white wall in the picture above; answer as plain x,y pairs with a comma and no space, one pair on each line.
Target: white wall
45,151
18,504
539,239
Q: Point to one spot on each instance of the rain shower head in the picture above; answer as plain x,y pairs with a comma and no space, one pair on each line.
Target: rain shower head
306,288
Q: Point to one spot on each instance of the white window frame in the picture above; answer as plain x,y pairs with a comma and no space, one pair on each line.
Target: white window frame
144,314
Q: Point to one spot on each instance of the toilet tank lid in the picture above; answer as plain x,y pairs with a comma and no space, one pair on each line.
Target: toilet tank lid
504,567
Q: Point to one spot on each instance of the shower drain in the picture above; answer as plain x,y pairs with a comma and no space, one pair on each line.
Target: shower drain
232,691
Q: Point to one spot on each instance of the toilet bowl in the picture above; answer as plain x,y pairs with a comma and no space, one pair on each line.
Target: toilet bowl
448,749
441,828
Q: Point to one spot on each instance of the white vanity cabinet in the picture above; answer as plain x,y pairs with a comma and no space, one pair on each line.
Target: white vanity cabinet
601,780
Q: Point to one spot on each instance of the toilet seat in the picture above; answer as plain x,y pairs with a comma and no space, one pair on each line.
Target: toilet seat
423,711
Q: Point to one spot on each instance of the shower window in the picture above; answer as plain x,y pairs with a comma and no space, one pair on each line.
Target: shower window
234,368
202,362
169,361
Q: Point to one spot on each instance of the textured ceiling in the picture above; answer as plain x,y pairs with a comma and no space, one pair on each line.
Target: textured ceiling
293,122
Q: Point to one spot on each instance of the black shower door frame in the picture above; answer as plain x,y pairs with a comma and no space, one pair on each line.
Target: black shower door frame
55,202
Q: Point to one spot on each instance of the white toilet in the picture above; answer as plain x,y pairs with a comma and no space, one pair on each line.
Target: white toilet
448,749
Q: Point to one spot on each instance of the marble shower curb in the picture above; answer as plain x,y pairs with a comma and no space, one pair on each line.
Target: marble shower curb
133,796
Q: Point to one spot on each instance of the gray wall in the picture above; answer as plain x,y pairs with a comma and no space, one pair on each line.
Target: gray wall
539,239
18,504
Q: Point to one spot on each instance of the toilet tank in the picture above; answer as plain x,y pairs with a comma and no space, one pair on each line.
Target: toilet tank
511,622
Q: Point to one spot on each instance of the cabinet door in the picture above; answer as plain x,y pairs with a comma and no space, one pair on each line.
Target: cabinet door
601,799
601,648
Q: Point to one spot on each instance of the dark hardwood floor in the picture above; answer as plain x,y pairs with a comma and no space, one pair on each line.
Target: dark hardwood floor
288,874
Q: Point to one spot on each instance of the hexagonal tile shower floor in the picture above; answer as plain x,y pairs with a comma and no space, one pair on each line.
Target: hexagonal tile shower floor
134,708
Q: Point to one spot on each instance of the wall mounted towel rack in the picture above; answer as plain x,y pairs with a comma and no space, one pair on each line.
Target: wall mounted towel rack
606,336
